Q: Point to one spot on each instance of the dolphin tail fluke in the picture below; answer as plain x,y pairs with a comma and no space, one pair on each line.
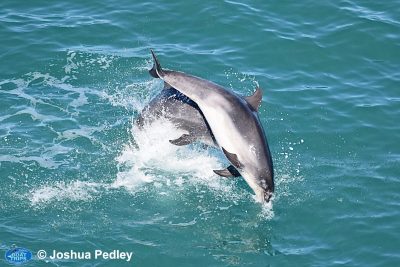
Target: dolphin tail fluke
156,70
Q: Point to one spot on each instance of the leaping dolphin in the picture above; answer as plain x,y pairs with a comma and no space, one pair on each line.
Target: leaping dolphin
235,124
182,112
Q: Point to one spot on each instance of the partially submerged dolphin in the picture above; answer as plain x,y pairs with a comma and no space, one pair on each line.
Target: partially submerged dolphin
235,125
182,112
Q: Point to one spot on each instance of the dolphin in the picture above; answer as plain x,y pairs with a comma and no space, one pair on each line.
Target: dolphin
182,112
235,125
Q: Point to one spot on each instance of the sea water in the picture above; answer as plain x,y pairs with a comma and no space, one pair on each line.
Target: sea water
76,176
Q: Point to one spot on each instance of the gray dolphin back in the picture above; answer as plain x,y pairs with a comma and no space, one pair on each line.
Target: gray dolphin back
181,111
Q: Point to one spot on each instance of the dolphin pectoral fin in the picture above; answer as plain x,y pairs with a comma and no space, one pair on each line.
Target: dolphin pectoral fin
254,100
228,172
223,173
185,139
232,158
156,71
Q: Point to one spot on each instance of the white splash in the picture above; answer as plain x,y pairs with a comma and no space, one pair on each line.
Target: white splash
43,161
59,191
153,159
83,131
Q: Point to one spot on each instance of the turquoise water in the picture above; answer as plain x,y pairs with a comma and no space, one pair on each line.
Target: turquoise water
73,77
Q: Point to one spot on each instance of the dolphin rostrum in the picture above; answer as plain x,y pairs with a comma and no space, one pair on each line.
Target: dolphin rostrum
235,124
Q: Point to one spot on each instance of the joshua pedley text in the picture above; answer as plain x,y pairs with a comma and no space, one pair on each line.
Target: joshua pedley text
97,254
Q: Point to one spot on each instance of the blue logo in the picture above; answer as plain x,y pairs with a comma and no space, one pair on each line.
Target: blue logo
18,256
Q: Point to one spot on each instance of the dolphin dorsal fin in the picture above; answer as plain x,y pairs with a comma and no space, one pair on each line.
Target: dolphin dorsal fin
156,70
254,100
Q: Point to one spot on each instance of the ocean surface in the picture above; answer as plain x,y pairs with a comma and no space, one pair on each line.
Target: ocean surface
74,76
